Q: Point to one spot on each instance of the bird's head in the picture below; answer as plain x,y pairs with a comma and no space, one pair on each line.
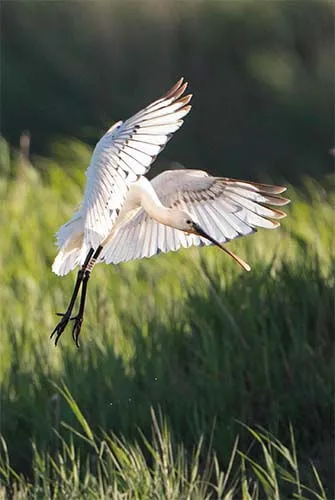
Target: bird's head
185,222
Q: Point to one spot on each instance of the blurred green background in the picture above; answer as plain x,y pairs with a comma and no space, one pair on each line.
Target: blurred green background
189,335
261,73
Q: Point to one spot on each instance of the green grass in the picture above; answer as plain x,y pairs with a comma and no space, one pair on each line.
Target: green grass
178,354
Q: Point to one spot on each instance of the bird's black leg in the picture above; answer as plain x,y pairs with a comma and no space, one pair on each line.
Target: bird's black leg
78,319
67,315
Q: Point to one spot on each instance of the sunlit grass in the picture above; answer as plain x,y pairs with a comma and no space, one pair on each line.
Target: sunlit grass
112,467
188,333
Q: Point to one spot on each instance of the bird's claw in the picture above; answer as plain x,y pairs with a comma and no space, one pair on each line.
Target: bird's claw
78,320
60,327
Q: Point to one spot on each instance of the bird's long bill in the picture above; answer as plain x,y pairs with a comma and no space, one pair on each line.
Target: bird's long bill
241,262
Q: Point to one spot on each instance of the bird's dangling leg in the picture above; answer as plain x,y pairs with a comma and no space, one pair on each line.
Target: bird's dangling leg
78,319
60,327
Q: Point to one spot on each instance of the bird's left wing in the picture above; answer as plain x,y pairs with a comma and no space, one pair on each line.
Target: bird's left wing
225,208
123,154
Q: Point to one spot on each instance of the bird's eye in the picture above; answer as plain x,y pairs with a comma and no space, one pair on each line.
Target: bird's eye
188,221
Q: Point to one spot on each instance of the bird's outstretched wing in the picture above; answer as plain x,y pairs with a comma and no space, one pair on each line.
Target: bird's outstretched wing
123,154
225,208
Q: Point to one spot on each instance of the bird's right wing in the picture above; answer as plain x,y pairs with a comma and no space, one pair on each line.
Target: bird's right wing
225,208
123,154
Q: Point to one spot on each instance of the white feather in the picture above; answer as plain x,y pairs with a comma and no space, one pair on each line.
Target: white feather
132,218
225,209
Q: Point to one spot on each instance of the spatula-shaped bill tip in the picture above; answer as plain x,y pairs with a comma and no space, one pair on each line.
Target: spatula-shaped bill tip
238,259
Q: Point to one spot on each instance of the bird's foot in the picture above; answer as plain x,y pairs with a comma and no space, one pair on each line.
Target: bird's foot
78,320
60,327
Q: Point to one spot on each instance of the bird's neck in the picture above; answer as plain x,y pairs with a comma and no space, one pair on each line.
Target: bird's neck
152,205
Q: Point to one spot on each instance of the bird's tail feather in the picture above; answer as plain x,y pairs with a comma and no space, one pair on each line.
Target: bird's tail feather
70,242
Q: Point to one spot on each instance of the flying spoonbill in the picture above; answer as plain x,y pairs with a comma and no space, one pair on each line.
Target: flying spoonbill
124,216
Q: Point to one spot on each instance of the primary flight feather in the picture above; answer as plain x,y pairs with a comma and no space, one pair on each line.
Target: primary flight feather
124,216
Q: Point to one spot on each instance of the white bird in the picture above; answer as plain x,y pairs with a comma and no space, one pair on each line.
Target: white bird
124,216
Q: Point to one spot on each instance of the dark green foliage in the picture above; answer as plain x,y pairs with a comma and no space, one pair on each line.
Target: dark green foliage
261,73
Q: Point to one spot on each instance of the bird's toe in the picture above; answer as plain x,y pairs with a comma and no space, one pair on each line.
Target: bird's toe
76,329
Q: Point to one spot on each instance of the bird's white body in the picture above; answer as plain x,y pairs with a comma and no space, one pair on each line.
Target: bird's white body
124,216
